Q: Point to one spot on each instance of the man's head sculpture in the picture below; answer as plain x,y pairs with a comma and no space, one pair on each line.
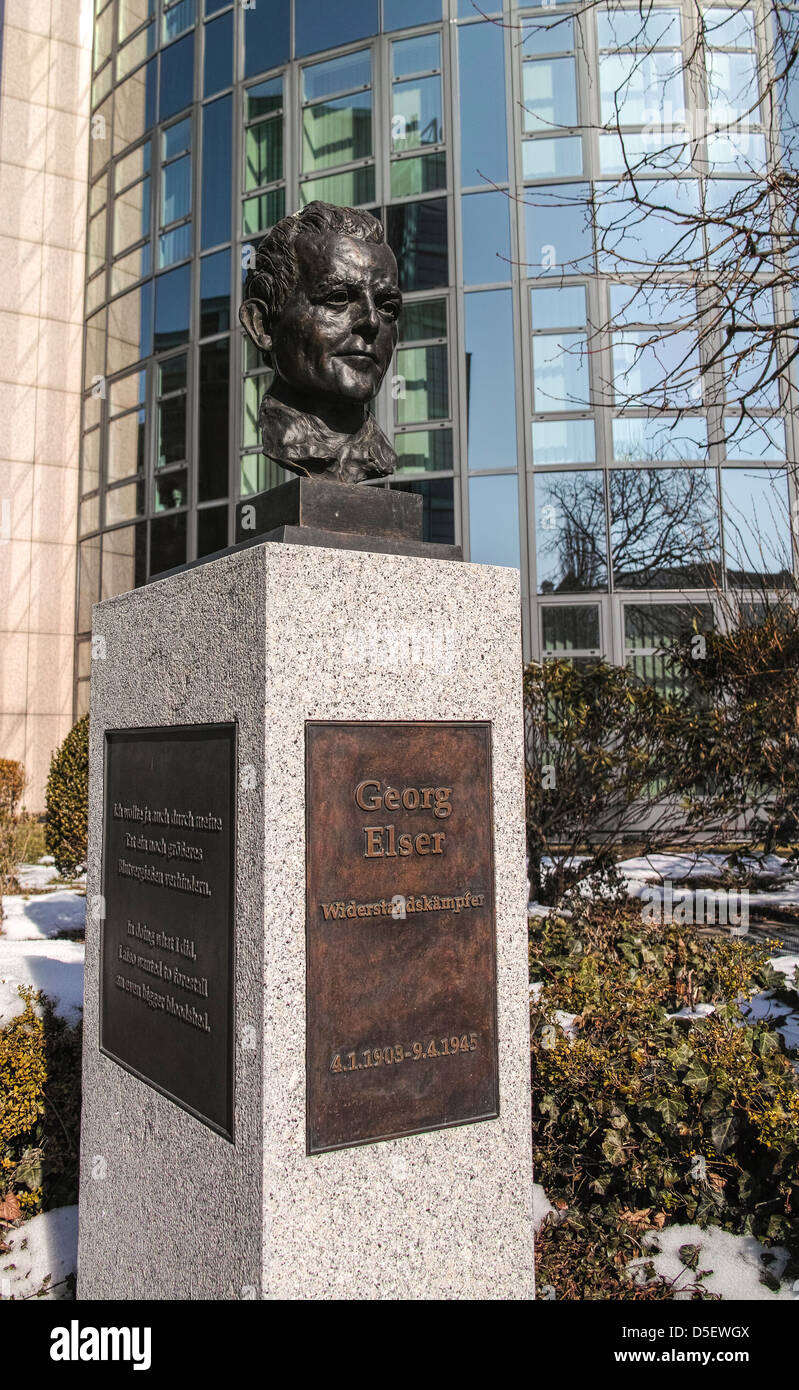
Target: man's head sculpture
322,304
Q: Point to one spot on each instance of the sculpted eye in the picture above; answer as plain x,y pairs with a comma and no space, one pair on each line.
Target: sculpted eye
338,298
390,309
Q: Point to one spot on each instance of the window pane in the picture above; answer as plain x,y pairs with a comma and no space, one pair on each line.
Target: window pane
563,441
572,627
560,371
171,431
212,530
215,294
174,246
550,94
134,166
89,516
490,402
180,17
130,328
124,503
337,132
425,388
427,319
438,514
637,29
560,308
664,226
656,372
337,75
570,532
135,52
417,234
558,230
261,213
176,190
90,462
409,56
653,625
664,527
176,139
424,451
218,55
416,116
172,374
757,529
213,421
264,99
134,109
171,491
89,590
543,159
127,392
640,88
733,88
422,175
661,440
266,36
263,153
347,190
132,13
167,542
484,145
318,24
754,439
172,311
94,360
177,77
125,455
124,560
486,238
403,14
729,28
131,216
547,36
494,520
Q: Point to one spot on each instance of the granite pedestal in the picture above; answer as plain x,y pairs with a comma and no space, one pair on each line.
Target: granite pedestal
208,1187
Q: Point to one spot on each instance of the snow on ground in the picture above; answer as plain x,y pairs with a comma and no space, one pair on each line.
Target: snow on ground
56,967
737,1263
43,1252
542,1207
44,916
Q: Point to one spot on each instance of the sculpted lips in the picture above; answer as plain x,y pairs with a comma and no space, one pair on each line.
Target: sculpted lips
359,353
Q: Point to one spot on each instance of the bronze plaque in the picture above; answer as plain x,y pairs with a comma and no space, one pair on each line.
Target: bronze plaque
166,1002
401,971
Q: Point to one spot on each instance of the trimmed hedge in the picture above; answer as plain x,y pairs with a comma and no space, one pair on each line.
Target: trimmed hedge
67,800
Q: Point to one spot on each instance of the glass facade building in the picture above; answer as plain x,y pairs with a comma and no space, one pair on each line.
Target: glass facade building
476,139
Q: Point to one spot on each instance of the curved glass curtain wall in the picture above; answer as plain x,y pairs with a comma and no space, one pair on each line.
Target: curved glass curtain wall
473,141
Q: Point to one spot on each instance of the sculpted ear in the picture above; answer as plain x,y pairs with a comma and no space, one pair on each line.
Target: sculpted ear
252,315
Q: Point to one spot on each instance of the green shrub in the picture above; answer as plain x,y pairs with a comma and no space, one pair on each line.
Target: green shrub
40,1060
67,800
12,785
641,1121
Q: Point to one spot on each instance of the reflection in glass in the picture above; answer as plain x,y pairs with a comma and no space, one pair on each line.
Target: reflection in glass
640,88
215,294
638,29
124,503
319,25
266,36
425,319
218,71
663,227
660,372
411,56
416,117
134,109
661,440
424,451
263,153
664,527
212,480
424,395
403,14
545,159
336,131
732,88
90,462
177,18
756,439
127,392
125,452
94,357
417,234
350,189
570,532
131,216
172,309
171,431
570,627
262,212
560,371
216,169
124,559
130,328
559,238
177,77
89,584
254,387
494,520
337,75
171,490
484,148
563,307
172,373
174,246
490,398
651,629
757,528
563,441
541,36
264,99
424,174
486,238
167,542
550,94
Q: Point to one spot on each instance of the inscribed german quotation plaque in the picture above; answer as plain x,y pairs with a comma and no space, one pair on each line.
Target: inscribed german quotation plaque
166,1008
401,969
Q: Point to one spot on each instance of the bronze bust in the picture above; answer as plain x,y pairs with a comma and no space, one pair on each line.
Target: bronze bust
322,304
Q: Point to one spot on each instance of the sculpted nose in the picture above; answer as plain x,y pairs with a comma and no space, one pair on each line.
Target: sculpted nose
368,320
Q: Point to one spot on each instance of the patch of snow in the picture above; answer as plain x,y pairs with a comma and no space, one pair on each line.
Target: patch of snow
56,967
737,1263
698,1011
542,1207
39,918
567,1022
786,965
46,859
36,875
43,1252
